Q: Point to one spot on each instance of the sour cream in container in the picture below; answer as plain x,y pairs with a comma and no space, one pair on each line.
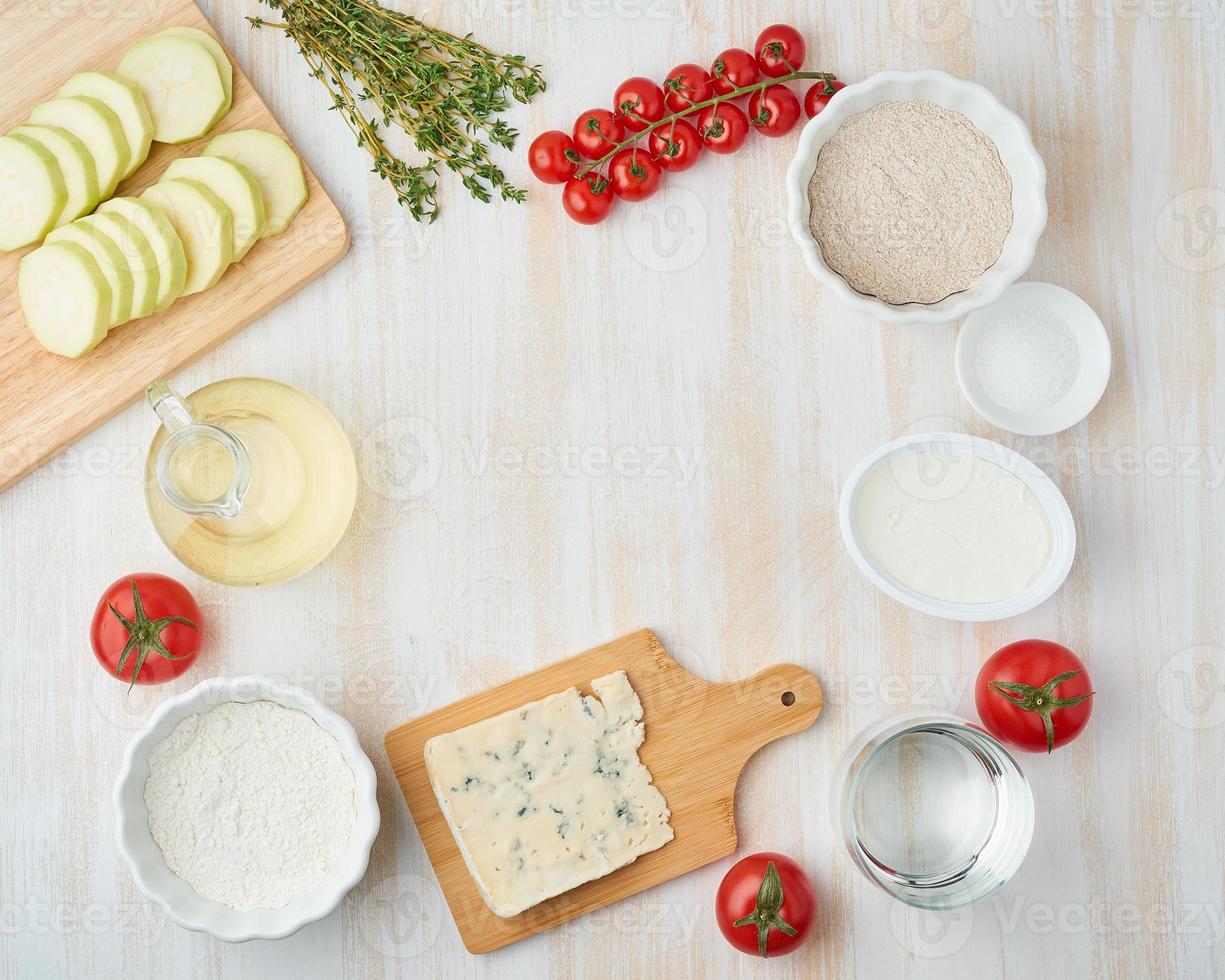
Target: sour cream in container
958,527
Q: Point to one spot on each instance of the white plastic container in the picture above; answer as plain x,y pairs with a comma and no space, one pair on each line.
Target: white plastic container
1058,516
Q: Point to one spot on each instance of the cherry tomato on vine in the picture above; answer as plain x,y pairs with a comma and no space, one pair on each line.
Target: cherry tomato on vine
817,97
633,175
596,131
765,905
1034,695
723,127
676,146
685,85
779,50
587,199
734,68
774,111
553,157
638,101
147,624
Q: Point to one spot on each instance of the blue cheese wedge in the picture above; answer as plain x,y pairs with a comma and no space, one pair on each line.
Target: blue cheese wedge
551,795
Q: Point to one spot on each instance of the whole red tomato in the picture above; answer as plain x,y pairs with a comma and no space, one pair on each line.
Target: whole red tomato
779,50
633,175
818,96
676,146
1034,695
596,131
766,905
734,68
723,127
638,101
553,157
145,614
685,85
587,199
774,111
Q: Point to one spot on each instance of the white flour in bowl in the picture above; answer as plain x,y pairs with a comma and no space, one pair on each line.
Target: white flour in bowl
252,804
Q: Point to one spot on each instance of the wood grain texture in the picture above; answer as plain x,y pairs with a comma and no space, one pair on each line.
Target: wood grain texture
46,401
699,736
491,367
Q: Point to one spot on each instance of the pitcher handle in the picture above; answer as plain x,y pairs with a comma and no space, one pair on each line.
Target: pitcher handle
169,405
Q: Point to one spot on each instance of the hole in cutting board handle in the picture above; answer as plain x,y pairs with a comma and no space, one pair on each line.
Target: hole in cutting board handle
788,699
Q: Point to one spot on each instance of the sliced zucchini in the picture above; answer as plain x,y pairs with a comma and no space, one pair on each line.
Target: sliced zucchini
97,127
32,192
168,252
181,85
136,252
204,226
275,167
233,183
110,262
220,58
125,101
76,167
65,299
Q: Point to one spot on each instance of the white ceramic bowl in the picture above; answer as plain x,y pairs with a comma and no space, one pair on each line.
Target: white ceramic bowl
1002,126
178,898
1059,519
1092,346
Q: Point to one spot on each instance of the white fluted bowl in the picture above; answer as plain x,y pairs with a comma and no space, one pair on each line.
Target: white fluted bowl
1000,125
177,897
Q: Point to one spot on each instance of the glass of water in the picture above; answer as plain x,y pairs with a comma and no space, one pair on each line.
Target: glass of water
933,810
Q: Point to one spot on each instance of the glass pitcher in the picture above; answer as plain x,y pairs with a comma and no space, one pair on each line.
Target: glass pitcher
248,481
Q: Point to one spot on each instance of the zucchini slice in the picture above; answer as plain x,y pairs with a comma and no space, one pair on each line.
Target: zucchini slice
181,85
151,221
136,252
216,51
97,127
125,101
110,262
65,299
76,167
275,167
233,183
32,192
204,226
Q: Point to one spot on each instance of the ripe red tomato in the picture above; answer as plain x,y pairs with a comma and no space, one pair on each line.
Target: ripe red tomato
639,101
774,110
817,97
723,127
553,157
676,146
1034,695
734,68
145,614
596,131
633,175
765,905
587,199
779,49
685,85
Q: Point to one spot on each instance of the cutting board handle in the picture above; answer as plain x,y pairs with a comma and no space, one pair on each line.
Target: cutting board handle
780,700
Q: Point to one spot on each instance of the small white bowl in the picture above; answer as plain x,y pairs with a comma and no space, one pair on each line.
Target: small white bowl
1092,345
177,897
999,124
1058,515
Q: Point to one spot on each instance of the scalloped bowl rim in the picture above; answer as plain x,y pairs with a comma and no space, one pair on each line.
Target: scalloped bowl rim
998,123
180,901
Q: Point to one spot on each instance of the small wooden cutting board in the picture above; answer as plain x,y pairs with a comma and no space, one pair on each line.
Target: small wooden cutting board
48,402
699,735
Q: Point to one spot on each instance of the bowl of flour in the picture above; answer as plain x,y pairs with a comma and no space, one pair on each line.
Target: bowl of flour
246,809
916,196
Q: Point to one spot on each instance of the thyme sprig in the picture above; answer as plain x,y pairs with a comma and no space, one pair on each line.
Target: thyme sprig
384,68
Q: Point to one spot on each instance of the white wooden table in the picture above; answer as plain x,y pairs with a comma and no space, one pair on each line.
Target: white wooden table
567,433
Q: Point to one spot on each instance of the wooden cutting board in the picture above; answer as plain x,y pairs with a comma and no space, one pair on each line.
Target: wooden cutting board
699,735
48,402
